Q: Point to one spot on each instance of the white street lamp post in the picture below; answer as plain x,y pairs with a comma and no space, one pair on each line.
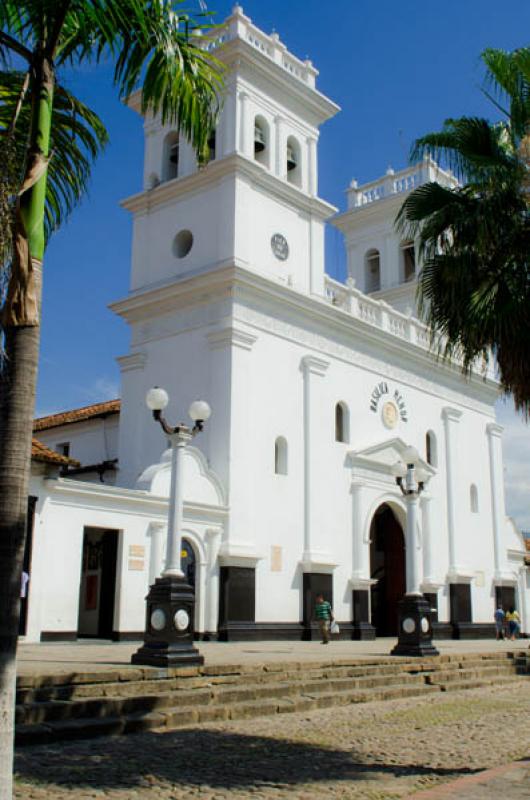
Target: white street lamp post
168,639
415,628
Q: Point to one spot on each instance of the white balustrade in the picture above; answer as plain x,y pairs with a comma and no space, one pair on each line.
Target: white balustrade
398,183
240,27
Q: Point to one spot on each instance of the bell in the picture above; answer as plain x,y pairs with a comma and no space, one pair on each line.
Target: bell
292,161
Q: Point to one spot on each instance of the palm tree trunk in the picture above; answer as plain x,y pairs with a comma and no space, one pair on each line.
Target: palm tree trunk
18,381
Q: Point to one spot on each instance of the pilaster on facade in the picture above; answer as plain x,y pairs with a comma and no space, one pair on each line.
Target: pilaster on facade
430,582
498,513
360,548
451,418
312,368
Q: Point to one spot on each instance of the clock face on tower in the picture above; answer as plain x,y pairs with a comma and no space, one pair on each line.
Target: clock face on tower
279,247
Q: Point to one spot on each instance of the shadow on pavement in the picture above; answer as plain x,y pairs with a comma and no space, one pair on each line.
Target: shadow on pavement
200,757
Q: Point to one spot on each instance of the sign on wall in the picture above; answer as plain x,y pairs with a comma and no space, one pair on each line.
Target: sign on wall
390,403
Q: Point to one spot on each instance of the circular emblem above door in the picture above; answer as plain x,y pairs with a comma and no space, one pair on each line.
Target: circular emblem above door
280,247
389,414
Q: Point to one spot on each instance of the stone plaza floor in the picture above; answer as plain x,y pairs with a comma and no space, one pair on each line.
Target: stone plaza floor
429,748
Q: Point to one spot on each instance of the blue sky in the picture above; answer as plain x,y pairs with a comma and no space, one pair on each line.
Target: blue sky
396,69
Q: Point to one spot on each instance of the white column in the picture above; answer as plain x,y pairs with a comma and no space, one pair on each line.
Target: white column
313,369
200,597
179,442
412,550
359,546
243,123
426,538
213,536
451,418
312,174
156,553
498,512
280,160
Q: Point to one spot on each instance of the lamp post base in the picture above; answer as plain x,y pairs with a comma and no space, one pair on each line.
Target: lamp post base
168,638
415,628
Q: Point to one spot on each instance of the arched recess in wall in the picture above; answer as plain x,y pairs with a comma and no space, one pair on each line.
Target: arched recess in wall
473,498
262,141
280,456
342,423
431,449
170,156
294,161
372,270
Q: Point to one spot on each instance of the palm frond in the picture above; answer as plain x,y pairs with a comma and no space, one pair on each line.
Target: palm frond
154,46
78,136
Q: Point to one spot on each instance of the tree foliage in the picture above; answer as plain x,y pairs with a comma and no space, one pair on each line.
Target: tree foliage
474,286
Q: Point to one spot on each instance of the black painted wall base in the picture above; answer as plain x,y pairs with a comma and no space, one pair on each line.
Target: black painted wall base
363,632
58,636
362,629
442,630
473,630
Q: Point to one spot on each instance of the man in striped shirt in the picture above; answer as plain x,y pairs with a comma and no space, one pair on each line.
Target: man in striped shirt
324,616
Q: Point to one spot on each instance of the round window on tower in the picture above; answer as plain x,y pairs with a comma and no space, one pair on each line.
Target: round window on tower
182,243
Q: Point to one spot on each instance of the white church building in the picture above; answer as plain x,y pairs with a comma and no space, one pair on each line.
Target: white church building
316,388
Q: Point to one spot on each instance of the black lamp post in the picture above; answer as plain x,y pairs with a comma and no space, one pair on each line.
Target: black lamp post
415,626
168,638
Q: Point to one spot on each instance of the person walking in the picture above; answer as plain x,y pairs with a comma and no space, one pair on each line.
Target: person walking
500,619
324,616
514,623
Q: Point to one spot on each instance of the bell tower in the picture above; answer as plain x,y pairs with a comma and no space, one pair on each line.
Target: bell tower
254,204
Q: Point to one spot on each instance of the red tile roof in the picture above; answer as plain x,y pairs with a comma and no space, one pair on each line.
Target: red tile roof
39,452
77,415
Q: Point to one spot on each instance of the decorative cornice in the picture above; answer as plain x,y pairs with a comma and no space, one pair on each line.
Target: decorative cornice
451,414
234,165
494,429
314,366
132,361
231,337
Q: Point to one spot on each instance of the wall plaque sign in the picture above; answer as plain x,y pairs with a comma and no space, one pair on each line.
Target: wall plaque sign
390,402
280,247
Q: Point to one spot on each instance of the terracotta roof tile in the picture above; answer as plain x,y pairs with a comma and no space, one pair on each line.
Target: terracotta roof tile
77,415
39,452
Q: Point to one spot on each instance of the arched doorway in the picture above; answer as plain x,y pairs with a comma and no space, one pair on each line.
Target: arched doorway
387,567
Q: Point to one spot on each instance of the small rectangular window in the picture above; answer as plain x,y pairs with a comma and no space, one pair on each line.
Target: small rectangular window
63,449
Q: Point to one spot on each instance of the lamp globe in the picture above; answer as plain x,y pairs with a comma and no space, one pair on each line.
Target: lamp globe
156,398
199,411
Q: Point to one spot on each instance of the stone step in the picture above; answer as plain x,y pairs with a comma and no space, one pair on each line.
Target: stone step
171,717
107,706
146,681
485,673
477,683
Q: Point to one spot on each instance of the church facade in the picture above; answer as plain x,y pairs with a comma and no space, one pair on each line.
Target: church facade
316,386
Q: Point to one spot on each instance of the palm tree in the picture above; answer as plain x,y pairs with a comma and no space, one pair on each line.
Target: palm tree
151,42
474,287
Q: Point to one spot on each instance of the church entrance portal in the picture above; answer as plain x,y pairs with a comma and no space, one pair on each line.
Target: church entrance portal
98,583
387,567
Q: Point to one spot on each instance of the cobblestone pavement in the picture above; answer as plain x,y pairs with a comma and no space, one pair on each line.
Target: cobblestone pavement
375,751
